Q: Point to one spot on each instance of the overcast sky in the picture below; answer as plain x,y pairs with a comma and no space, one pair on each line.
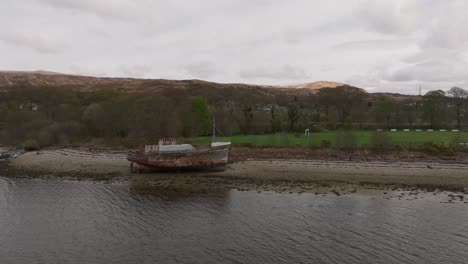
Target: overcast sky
380,45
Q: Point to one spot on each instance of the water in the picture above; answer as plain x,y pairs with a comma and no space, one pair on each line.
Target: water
71,222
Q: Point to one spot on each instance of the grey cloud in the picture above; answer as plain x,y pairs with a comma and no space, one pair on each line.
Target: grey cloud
136,71
374,44
88,71
378,44
40,44
434,27
377,84
432,54
286,72
104,8
327,68
391,17
201,69
448,33
431,71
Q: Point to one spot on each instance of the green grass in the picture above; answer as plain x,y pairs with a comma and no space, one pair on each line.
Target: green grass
362,138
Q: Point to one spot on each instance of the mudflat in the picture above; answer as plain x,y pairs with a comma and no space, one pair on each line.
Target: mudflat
83,164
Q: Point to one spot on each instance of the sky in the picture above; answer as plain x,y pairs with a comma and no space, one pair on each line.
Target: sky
380,45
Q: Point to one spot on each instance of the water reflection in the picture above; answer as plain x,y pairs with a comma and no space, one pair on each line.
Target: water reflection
70,222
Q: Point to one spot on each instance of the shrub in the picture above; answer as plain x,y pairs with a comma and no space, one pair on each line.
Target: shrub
316,128
245,144
380,141
284,140
273,140
456,140
438,148
345,140
398,147
325,143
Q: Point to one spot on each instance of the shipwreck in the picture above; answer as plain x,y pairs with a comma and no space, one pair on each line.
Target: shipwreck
167,155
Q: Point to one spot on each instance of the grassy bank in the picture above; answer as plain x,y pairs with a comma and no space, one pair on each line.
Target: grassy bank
361,138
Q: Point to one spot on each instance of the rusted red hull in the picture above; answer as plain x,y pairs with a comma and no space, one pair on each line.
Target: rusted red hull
199,160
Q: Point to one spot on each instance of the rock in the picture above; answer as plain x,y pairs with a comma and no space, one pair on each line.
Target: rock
336,193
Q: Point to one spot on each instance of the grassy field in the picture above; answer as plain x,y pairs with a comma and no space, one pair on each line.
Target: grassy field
362,138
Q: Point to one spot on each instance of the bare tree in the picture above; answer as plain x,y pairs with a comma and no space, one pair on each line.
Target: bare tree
434,107
293,115
409,108
385,110
458,96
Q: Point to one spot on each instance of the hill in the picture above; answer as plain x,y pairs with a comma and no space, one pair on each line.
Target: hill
37,79
316,85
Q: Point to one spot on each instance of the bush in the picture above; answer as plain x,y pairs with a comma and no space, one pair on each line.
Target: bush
438,148
325,143
30,145
398,147
456,140
345,140
380,141
273,140
316,128
245,144
284,140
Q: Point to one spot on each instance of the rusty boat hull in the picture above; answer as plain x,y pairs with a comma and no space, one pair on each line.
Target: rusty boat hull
209,158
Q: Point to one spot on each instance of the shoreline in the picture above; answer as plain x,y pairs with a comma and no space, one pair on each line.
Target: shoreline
294,174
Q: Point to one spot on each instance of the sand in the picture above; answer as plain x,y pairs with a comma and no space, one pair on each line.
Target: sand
83,164
70,161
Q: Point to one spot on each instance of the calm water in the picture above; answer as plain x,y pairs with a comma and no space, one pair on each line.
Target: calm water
69,222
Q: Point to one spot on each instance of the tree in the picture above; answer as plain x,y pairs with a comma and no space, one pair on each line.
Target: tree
458,98
384,110
93,117
275,121
434,107
247,112
410,109
342,99
325,99
293,114
202,114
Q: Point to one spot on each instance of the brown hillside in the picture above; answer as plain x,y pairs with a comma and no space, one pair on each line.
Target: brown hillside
316,85
41,79
85,83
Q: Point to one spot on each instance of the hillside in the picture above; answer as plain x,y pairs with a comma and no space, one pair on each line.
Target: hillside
316,85
38,79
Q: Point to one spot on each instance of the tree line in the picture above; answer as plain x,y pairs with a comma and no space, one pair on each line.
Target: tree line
51,116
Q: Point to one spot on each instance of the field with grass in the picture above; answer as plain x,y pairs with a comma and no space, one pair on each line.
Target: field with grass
361,138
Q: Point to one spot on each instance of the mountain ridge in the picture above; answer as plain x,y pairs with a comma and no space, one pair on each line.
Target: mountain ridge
41,78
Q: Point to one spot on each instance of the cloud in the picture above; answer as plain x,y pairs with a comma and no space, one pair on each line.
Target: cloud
201,70
390,17
446,32
374,44
431,71
118,9
433,27
377,44
287,72
138,71
38,43
87,71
